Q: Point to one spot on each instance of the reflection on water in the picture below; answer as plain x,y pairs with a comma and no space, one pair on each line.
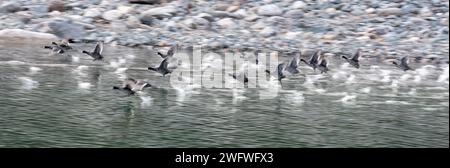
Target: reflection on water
46,101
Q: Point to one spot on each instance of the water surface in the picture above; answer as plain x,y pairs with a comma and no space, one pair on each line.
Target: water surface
49,101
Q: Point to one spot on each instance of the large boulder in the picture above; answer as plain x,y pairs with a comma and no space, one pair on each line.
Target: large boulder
65,28
10,7
20,34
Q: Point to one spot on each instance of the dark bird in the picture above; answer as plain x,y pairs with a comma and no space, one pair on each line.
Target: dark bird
323,66
404,61
131,86
354,61
55,48
163,67
238,77
169,53
314,60
293,64
97,53
65,44
279,72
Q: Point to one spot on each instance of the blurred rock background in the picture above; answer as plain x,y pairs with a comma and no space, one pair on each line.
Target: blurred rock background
387,28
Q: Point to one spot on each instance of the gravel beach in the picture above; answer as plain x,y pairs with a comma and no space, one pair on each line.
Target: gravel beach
383,29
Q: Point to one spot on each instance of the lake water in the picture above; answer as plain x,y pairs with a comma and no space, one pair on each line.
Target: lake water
49,101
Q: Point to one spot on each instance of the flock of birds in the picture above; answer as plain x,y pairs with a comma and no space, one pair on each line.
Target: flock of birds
317,62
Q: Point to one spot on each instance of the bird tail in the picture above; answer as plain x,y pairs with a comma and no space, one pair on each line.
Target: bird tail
49,47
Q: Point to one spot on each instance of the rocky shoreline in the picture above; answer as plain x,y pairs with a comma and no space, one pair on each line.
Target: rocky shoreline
381,28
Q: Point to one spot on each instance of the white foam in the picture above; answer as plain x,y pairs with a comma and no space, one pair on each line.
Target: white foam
397,102
366,90
80,70
347,98
295,97
14,62
405,77
146,101
238,95
412,92
34,70
118,63
120,70
444,76
84,85
75,59
130,56
385,74
28,83
350,79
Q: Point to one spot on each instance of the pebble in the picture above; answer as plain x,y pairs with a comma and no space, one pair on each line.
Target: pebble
269,10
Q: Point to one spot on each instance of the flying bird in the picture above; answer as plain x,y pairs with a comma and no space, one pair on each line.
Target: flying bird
323,65
354,61
163,68
314,60
404,61
97,53
170,52
131,86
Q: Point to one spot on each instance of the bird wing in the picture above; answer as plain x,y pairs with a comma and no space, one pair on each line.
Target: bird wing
164,63
98,48
404,60
294,61
323,62
357,55
280,69
315,58
139,85
129,82
171,51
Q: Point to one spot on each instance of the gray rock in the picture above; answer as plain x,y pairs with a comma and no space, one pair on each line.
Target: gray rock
294,14
277,21
267,32
65,28
112,15
201,23
38,10
159,12
389,11
190,23
251,18
226,23
206,16
133,22
269,10
109,39
223,14
10,7
299,5
92,12
25,34
410,8
118,26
